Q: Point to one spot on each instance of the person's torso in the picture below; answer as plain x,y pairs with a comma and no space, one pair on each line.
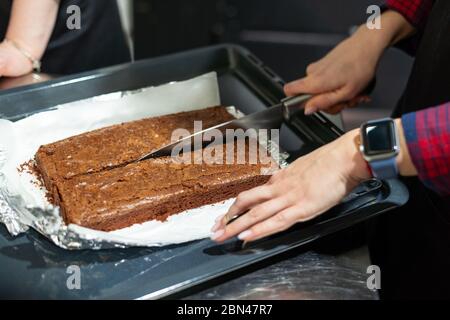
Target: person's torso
429,83
411,244
98,42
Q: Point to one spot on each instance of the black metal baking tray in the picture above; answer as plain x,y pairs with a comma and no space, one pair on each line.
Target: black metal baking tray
32,267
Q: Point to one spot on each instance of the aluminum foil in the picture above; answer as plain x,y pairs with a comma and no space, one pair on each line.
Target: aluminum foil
21,209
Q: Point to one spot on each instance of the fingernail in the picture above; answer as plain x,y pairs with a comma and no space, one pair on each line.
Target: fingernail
309,111
244,235
218,223
364,99
217,234
216,226
219,217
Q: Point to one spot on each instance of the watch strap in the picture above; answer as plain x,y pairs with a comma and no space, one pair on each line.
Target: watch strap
384,169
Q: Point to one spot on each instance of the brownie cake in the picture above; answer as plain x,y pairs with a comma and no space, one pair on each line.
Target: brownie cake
96,184
118,144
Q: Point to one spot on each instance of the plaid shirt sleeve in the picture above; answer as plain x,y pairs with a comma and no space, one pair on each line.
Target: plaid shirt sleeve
427,134
416,12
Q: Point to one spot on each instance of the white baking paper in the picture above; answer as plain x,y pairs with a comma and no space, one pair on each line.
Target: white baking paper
20,140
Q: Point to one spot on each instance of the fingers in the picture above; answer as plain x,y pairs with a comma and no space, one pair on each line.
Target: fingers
329,92
337,108
327,104
361,99
276,177
311,68
281,221
326,100
305,85
257,214
248,199
2,66
244,201
312,84
350,104
277,223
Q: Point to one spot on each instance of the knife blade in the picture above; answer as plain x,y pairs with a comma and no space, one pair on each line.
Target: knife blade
269,118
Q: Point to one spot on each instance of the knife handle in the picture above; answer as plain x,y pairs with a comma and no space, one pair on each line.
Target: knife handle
294,103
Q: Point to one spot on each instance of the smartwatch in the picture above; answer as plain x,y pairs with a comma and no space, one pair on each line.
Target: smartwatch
380,147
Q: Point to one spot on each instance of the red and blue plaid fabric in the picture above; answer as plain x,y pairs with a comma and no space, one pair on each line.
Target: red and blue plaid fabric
415,11
427,134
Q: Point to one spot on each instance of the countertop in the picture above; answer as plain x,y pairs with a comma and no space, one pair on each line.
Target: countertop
308,275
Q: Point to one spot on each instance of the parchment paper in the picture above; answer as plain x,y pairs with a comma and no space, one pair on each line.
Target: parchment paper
27,205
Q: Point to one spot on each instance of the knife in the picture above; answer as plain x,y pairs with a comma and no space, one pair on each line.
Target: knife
269,118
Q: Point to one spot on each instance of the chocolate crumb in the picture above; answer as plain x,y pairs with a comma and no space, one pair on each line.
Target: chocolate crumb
30,167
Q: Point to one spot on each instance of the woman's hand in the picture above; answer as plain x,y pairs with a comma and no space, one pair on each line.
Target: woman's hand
338,79
12,62
30,27
308,187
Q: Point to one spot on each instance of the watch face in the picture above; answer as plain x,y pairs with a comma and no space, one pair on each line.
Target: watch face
379,138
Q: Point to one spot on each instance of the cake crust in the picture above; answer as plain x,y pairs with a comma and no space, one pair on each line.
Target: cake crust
94,180
151,189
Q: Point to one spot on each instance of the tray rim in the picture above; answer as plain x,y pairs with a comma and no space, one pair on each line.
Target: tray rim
395,199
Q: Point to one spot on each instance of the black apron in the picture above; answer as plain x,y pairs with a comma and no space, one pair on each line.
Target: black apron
411,245
99,43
